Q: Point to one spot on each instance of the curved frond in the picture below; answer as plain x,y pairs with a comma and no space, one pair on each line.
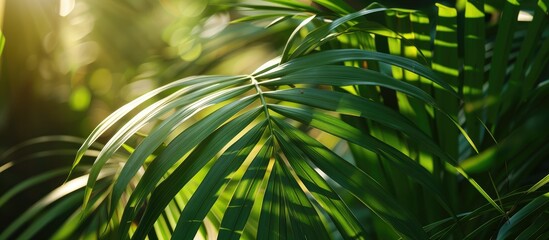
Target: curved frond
250,138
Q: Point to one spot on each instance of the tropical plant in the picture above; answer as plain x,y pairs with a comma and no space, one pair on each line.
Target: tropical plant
378,122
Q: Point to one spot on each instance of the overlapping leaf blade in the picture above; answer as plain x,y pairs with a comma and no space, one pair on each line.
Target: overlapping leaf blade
240,207
204,197
341,55
298,177
354,181
150,113
535,207
178,147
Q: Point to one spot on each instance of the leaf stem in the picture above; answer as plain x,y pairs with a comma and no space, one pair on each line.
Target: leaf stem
263,102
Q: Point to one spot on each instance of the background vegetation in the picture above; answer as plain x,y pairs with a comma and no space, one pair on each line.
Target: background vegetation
62,73
376,120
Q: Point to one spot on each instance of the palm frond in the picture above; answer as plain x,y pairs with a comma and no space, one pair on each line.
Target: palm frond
366,126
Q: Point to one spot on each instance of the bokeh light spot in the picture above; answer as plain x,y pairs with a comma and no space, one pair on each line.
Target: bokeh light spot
80,99
193,53
101,81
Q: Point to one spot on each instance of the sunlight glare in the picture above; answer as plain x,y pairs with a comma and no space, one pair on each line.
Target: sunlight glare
65,7
524,16
65,189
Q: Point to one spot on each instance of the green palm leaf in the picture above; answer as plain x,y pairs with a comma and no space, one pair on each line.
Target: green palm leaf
242,156
178,164
354,181
536,207
173,152
240,207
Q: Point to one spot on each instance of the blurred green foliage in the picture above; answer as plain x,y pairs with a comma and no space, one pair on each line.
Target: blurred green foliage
68,64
